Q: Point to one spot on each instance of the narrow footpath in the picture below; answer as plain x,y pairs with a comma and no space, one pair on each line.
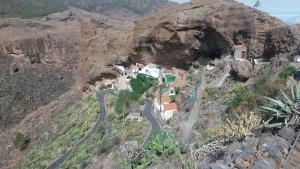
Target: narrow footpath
195,112
292,161
101,117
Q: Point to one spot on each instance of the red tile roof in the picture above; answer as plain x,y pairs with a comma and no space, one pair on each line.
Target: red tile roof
169,71
170,106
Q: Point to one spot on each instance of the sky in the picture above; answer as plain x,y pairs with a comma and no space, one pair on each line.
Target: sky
284,9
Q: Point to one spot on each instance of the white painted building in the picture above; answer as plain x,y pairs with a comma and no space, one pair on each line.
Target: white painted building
240,52
150,70
169,111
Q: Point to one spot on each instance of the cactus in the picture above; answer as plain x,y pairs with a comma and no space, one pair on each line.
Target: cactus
238,128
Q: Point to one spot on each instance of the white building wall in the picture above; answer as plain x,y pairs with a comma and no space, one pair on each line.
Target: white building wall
166,115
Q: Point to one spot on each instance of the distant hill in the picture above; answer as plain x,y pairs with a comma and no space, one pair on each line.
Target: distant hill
40,8
294,20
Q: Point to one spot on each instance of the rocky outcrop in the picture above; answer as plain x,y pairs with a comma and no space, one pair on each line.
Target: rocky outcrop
242,70
55,43
204,29
100,49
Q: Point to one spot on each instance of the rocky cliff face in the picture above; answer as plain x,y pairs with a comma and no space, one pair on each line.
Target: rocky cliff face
55,43
208,29
100,49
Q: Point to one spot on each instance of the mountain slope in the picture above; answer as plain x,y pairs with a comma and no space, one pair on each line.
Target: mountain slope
38,8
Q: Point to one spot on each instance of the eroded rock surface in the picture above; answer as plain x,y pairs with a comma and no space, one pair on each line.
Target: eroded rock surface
208,29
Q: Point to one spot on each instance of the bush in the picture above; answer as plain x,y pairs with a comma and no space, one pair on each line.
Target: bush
142,83
122,102
107,144
20,141
163,144
34,58
288,71
209,93
239,93
173,98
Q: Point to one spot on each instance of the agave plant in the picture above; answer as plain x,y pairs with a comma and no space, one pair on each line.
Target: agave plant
286,110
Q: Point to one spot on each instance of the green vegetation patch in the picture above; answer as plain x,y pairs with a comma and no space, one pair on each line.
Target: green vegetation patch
72,124
163,144
250,99
20,141
126,99
288,71
34,58
104,141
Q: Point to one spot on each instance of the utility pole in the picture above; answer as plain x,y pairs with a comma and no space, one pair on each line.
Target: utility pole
257,4
160,90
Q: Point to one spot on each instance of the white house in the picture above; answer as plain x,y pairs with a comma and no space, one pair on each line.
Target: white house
169,111
165,99
150,70
240,52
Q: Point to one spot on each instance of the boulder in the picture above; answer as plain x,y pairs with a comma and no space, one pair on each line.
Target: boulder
287,133
264,164
242,70
218,166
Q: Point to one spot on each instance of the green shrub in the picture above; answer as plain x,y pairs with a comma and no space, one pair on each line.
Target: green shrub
162,144
107,144
209,93
288,71
20,141
34,58
142,83
239,93
173,98
122,101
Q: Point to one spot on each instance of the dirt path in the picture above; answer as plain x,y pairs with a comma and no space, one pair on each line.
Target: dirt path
100,96
195,113
293,158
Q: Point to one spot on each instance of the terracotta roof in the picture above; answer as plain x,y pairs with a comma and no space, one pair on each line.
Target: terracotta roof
170,106
239,46
169,71
165,99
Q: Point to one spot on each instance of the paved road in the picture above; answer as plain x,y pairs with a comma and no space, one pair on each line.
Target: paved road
154,122
100,96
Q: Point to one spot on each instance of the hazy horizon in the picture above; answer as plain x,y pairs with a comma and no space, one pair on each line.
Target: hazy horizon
285,10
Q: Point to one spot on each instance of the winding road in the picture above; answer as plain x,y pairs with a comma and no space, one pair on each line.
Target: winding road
100,96
154,122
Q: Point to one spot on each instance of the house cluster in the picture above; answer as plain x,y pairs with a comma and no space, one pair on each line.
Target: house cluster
165,99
